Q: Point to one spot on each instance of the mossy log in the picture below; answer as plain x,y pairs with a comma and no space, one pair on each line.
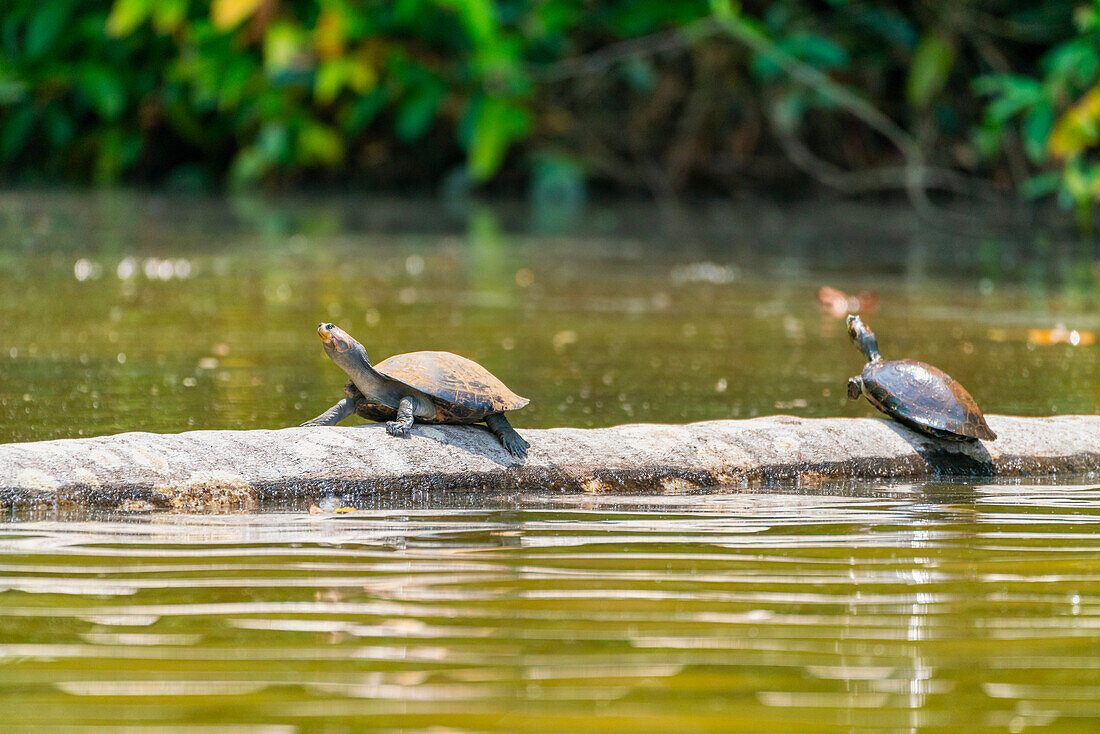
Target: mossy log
202,470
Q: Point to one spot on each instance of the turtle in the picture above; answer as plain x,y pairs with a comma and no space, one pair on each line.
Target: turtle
916,394
430,387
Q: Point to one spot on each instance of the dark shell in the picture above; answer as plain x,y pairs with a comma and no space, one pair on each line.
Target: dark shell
462,389
920,394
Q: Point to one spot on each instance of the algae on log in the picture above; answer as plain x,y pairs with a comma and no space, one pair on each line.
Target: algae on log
238,469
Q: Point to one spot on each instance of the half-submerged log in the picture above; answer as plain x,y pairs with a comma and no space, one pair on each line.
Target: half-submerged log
238,469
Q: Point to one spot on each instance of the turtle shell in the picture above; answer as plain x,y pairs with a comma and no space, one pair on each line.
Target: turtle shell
926,398
461,388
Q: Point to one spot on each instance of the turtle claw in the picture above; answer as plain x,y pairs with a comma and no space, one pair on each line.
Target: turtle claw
515,445
396,428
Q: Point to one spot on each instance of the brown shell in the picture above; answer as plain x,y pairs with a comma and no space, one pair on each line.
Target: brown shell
925,397
461,389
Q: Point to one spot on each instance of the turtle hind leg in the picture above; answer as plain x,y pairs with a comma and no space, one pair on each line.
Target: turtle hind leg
334,415
405,418
512,441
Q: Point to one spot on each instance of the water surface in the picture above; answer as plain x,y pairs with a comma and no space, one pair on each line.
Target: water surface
125,312
905,608
851,607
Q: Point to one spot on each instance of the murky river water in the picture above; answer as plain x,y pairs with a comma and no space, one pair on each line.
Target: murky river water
932,608
124,313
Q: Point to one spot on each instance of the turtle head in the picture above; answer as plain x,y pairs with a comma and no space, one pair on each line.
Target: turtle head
862,337
342,349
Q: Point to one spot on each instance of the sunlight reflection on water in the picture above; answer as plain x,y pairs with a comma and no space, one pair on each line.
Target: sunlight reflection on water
890,608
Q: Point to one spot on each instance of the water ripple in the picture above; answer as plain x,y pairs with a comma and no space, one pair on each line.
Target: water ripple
881,612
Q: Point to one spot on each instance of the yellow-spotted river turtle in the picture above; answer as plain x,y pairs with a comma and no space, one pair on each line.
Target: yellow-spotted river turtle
430,387
919,395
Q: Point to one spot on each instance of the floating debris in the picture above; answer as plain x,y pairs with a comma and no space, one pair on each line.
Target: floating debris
789,404
705,272
839,304
563,339
1060,335
1045,337
525,277
318,510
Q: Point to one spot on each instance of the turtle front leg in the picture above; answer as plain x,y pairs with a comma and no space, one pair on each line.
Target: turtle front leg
334,415
855,388
512,441
404,422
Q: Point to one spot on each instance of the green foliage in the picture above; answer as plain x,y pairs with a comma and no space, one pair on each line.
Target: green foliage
1058,110
931,67
254,88
249,91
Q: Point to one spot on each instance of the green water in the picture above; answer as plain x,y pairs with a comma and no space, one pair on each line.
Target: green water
200,314
927,608
850,607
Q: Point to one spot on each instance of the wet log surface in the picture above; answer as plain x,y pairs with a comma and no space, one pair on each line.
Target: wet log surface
217,470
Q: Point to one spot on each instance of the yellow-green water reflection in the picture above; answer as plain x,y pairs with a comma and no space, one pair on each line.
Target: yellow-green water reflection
123,312
927,608
866,608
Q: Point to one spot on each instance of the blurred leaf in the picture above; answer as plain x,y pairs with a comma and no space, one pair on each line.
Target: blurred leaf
1012,95
235,77
329,80
283,44
60,128
724,8
1042,185
362,75
416,115
364,110
126,16
319,145
495,125
45,26
227,14
168,15
1036,131
478,17
817,51
333,76
1078,128
1073,64
274,142
887,23
932,62
330,34
987,139
104,90
11,90
249,166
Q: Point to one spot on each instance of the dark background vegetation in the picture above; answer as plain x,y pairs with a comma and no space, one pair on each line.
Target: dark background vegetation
555,96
